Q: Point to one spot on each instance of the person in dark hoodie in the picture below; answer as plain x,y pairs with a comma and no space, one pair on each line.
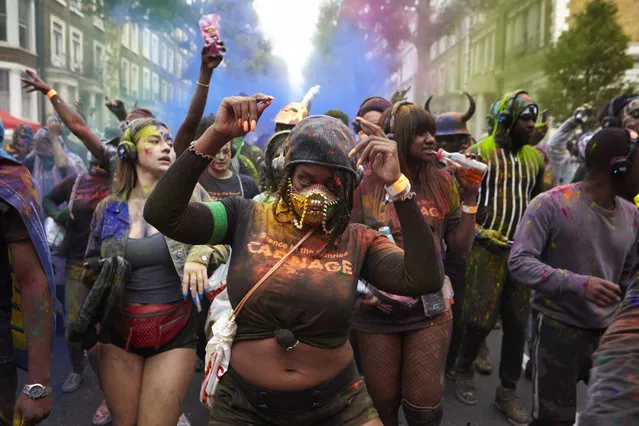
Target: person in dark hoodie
576,294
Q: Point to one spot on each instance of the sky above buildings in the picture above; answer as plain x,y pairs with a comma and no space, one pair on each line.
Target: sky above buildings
346,76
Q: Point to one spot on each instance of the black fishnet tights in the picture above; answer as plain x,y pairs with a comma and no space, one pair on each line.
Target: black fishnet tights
406,365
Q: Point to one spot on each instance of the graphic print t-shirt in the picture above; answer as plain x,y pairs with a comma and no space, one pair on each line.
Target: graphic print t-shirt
91,190
311,295
237,185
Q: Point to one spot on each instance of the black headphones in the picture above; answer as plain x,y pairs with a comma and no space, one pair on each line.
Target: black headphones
620,166
126,149
611,120
505,118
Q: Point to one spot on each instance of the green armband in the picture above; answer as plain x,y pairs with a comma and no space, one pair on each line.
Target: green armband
220,221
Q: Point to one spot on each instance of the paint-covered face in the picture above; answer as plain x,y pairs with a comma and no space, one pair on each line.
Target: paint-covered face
155,148
523,130
630,115
43,147
373,117
222,162
314,194
423,147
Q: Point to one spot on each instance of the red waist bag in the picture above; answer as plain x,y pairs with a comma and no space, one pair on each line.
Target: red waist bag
151,326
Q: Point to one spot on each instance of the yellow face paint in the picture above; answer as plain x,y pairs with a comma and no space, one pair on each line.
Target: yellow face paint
144,145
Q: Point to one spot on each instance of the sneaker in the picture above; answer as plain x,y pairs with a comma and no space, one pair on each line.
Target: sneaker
482,363
102,415
507,401
72,383
183,420
465,389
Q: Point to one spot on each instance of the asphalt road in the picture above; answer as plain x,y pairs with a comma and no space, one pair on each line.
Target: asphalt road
77,409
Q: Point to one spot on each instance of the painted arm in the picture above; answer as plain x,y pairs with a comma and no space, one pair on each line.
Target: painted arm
68,115
186,132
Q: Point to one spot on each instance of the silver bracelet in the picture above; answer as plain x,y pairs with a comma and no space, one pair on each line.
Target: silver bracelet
199,154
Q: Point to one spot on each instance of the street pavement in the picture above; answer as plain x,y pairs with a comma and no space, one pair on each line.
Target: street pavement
77,409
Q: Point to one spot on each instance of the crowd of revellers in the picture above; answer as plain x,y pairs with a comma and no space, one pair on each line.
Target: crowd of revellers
285,275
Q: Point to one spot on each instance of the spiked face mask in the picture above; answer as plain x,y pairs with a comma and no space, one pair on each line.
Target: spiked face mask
314,205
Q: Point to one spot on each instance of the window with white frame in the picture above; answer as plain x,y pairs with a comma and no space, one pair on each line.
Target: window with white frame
155,49
170,59
135,80
99,61
171,96
3,20
24,17
155,83
98,20
135,38
146,43
125,78
126,35
163,53
58,42
5,98
76,7
165,91
146,83
76,49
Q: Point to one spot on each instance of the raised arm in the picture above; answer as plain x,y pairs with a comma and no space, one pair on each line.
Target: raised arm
186,132
168,208
69,117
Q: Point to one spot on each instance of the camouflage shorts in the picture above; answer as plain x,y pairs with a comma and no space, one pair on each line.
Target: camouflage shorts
342,400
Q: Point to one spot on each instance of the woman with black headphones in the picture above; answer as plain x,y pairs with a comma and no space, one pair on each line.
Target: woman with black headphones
147,354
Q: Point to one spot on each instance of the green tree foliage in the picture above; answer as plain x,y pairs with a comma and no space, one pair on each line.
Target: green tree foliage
588,62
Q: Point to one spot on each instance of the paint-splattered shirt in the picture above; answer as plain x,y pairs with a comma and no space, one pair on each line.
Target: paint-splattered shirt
311,296
563,239
368,210
511,181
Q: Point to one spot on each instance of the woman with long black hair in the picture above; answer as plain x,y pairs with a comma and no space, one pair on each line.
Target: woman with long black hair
410,336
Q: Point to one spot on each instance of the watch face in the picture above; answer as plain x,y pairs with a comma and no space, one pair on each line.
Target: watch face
36,392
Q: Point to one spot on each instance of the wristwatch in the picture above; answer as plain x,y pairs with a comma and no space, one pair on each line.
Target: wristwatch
36,391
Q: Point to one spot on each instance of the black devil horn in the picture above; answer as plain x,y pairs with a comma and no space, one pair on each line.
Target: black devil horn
471,109
427,105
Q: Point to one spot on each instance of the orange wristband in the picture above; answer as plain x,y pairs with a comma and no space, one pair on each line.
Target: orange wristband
51,93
